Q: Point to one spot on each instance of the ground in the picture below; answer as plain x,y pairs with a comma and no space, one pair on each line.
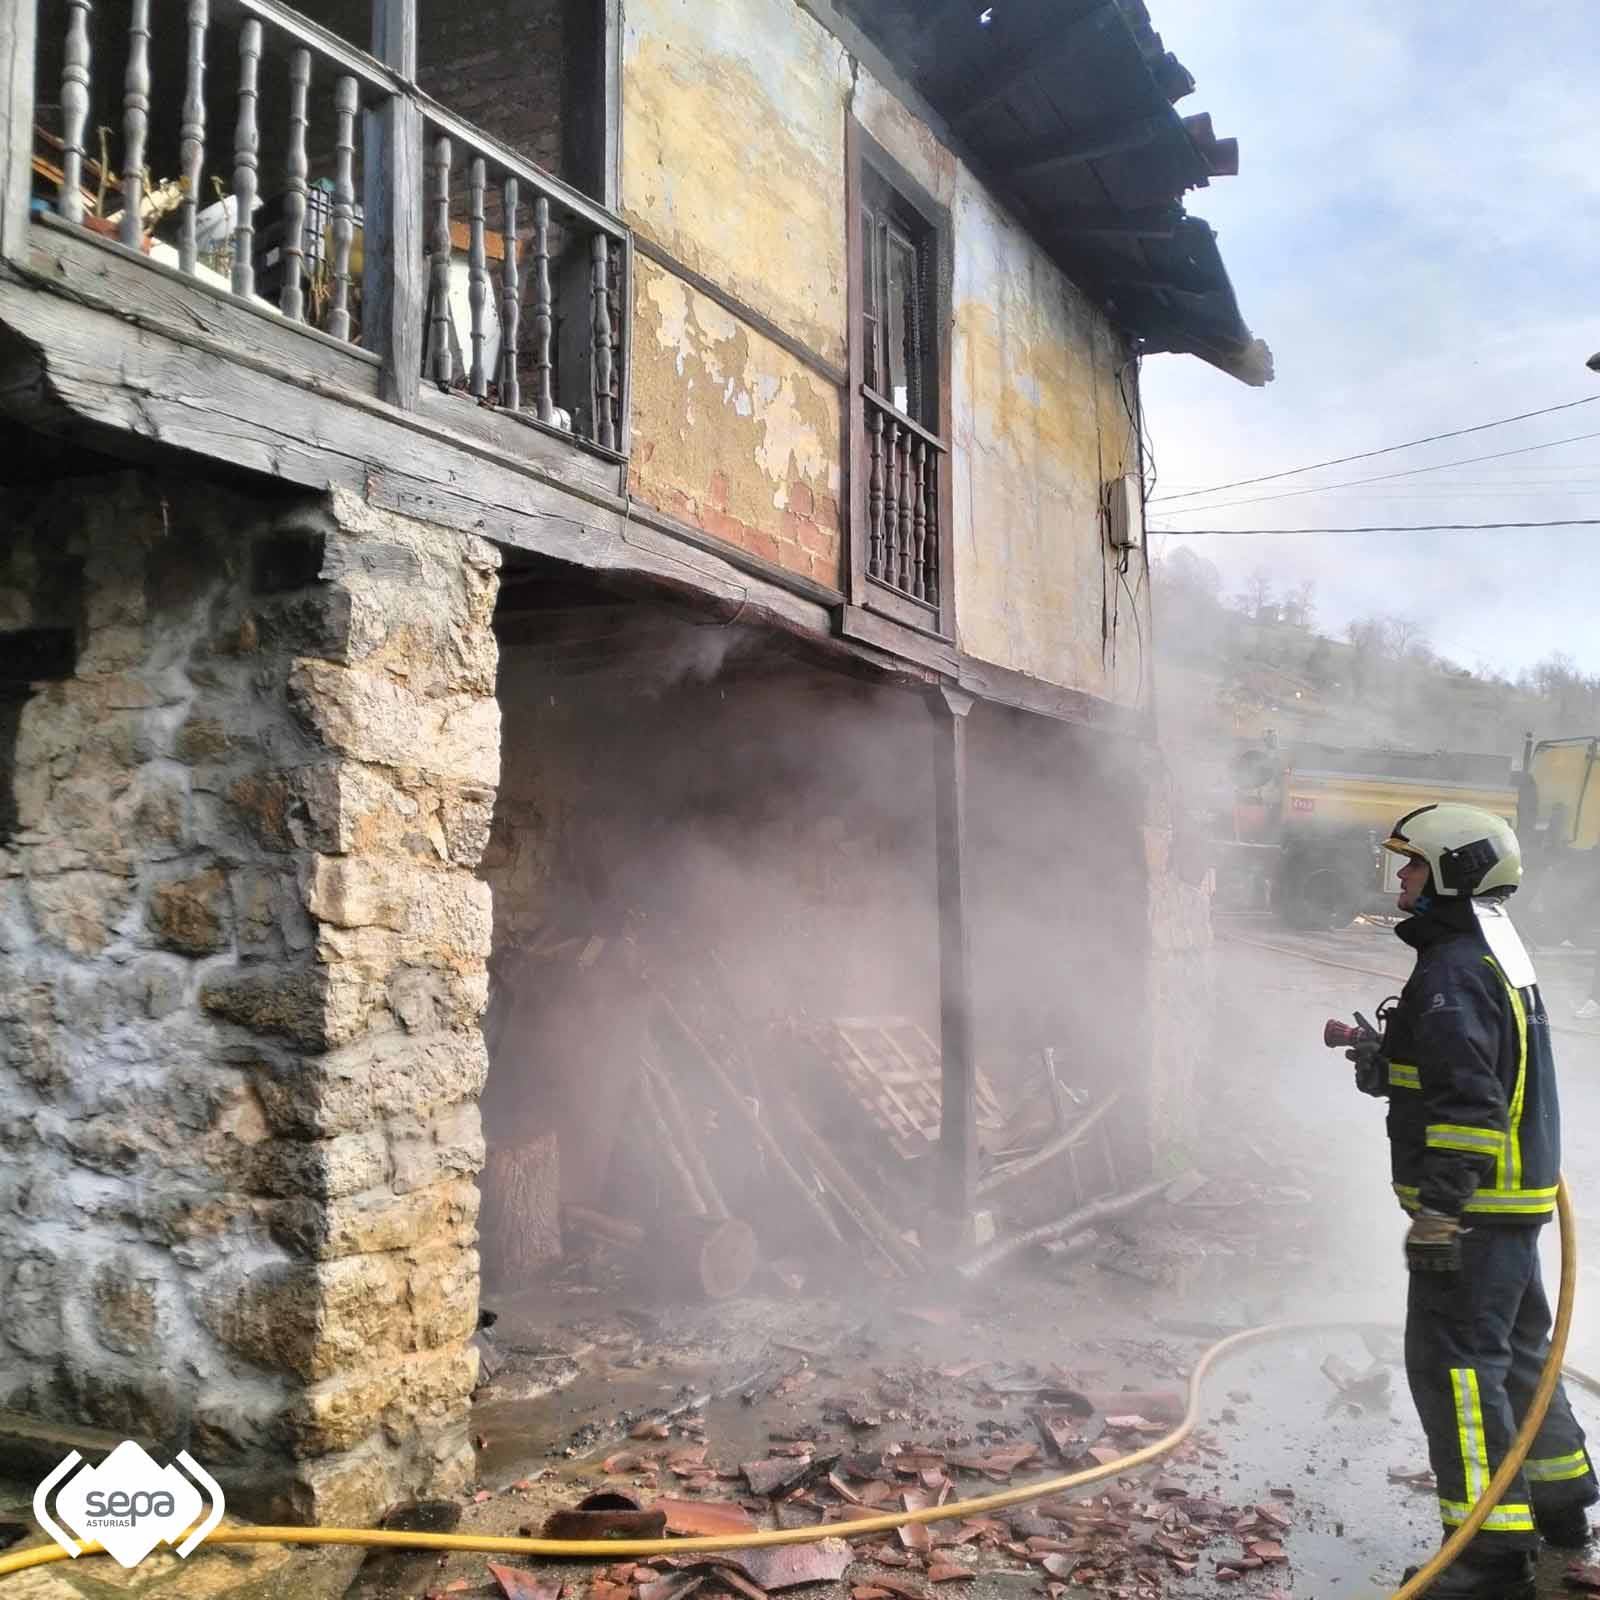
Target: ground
1294,1222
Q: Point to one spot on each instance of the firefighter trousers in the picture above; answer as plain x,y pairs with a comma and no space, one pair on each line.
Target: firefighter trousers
1476,1341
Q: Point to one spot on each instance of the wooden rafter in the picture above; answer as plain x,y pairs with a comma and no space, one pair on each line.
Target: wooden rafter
998,85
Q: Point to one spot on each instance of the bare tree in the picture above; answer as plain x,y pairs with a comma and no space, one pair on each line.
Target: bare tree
1404,634
1390,638
1255,599
1300,607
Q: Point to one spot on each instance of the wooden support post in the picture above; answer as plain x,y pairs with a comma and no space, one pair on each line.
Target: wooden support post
17,38
392,287
956,1182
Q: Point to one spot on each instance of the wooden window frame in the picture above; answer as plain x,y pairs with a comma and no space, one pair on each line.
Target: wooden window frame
864,155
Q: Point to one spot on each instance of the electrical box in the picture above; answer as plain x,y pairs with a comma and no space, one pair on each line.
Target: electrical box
1124,514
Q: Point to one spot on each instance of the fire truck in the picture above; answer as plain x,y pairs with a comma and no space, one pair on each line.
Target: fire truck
1558,824
1308,821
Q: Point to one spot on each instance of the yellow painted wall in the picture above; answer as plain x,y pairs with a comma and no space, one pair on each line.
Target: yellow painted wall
733,153
734,114
732,433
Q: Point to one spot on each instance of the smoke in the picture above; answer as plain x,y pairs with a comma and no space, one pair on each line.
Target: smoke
702,813
1232,664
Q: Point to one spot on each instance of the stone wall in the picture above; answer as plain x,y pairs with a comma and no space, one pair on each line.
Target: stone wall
242,962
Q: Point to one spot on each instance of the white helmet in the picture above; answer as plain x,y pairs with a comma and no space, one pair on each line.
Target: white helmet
1469,851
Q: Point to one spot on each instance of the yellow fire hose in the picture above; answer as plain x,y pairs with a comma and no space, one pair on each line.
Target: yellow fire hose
613,1549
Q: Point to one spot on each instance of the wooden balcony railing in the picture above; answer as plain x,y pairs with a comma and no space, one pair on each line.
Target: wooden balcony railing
904,463
342,200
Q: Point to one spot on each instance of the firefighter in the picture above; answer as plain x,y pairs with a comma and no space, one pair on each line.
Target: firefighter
1475,1149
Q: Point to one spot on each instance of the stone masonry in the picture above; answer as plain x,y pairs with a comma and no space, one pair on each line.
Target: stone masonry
242,963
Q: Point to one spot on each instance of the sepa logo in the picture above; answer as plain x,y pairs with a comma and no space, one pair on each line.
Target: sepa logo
129,1504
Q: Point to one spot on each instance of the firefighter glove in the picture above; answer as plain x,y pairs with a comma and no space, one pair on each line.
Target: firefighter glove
1433,1243
1372,1071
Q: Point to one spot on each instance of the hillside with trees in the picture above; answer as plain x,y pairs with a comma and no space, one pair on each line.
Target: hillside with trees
1232,667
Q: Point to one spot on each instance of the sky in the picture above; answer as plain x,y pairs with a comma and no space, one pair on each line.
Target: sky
1413,232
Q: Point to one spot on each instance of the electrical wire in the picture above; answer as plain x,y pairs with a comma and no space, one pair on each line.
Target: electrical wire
1380,477
1367,455
1413,527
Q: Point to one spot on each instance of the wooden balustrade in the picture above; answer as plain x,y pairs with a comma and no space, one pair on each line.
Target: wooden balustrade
521,284
904,461
576,281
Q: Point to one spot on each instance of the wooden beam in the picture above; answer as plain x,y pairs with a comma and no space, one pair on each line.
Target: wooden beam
997,85
94,376
392,291
755,320
1007,687
1112,138
18,22
204,371
1156,222
956,1178
610,110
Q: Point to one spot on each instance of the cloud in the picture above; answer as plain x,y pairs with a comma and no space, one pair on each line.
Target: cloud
1412,231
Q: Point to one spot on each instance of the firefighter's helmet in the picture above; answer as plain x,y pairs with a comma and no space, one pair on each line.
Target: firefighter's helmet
1469,851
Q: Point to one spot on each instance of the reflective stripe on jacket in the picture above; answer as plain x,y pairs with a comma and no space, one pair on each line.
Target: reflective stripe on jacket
1474,1125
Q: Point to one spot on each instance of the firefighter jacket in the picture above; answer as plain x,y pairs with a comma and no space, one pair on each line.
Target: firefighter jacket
1474,1126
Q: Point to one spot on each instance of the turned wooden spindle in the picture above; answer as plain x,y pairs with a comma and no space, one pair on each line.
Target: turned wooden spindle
246,159
439,281
74,108
346,101
135,122
605,430
192,131
510,300
543,313
291,295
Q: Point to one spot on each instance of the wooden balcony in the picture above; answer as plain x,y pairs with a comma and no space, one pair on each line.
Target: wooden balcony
234,176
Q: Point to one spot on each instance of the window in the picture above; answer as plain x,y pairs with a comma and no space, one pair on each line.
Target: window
896,270
900,296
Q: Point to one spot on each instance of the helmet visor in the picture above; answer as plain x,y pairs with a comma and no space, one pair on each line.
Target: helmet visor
1401,848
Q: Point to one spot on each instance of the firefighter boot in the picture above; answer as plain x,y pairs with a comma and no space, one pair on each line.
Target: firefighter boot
1478,1574
1566,1529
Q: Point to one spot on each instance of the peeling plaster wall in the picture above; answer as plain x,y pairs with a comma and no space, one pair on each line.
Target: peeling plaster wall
733,146
731,433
